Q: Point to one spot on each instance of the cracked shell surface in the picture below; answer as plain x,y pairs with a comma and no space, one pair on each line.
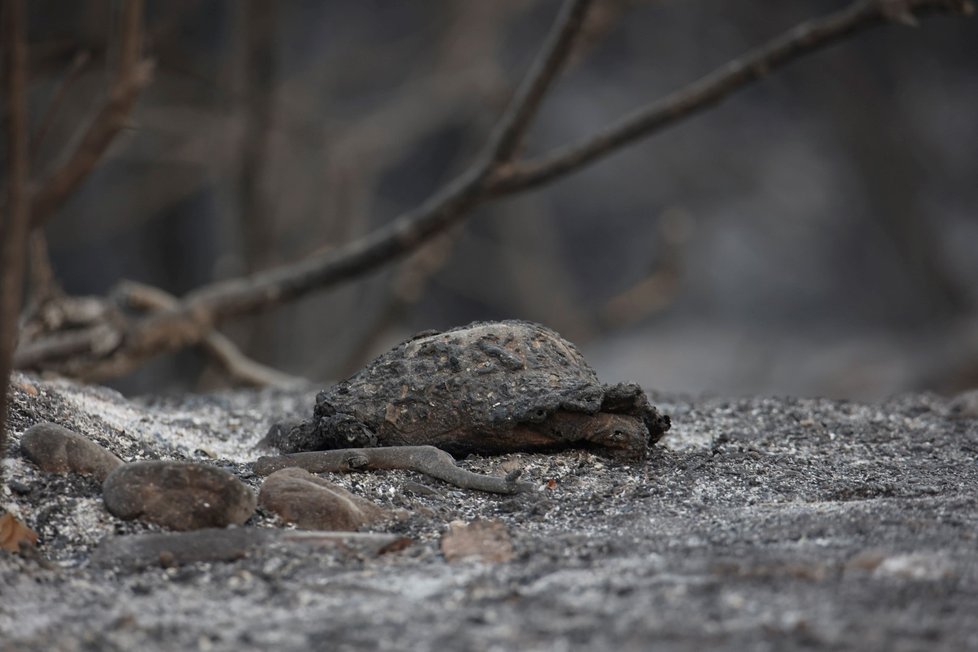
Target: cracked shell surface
489,387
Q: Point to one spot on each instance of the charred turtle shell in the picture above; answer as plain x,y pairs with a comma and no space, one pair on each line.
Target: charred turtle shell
489,388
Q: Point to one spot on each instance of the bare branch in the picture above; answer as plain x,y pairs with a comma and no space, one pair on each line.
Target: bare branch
716,86
557,48
492,176
201,309
239,296
408,231
133,76
13,224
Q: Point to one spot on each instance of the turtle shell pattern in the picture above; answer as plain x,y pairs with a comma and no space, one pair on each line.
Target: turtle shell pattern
460,388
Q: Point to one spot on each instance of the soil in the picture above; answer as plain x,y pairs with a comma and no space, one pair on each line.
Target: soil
755,524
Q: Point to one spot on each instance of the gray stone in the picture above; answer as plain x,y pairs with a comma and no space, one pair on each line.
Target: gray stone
58,450
311,502
178,495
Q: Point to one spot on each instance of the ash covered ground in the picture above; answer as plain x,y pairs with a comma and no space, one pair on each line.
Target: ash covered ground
757,524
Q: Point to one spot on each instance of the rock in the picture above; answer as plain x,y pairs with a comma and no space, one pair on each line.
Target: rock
480,540
178,495
58,450
311,502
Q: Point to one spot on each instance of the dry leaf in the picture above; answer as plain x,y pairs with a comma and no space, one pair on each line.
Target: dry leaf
27,388
14,534
480,540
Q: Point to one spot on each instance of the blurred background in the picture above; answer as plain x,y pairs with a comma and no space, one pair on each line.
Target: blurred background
816,234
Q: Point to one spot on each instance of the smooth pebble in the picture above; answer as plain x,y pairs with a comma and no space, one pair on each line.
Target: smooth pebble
56,449
311,502
178,495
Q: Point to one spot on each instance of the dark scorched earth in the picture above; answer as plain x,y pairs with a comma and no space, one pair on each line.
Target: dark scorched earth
754,524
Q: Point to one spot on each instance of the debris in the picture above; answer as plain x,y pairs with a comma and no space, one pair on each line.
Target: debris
14,535
28,388
480,540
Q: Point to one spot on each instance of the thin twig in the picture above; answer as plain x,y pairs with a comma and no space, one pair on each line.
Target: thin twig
556,49
13,224
133,76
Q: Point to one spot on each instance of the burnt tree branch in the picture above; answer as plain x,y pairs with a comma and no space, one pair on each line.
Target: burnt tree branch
201,309
219,347
710,90
411,229
494,174
429,460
